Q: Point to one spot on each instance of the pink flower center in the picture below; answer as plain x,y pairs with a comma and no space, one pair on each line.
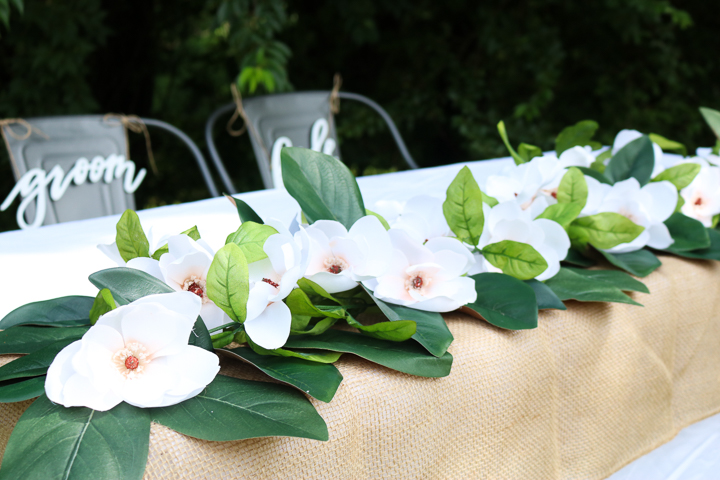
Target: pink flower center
699,201
196,289
335,265
554,194
196,285
417,283
131,360
270,282
131,363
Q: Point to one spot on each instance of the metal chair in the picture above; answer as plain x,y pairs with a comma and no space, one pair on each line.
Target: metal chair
302,119
85,191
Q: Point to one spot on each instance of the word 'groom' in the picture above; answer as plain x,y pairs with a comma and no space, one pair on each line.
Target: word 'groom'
34,184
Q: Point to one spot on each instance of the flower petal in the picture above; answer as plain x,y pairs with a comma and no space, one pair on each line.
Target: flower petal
659,200
271,328
659,236
147,265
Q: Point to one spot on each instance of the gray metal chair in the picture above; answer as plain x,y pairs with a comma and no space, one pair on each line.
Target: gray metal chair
302,119
61,141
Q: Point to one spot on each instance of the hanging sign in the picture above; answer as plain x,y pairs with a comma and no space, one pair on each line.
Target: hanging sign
319,142
33,186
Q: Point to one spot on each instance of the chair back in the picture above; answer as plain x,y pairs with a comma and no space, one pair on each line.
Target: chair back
66,140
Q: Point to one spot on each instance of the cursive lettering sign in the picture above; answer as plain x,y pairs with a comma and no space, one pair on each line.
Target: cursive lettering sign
319,142
33,186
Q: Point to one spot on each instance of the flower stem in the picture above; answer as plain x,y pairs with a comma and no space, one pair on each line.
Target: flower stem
221,327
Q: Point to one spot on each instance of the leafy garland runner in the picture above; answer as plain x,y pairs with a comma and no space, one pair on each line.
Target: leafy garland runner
493,252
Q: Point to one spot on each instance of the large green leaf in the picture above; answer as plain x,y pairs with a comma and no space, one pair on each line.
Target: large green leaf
680,175
131,240
200,337
636,159
431,331
618,279
573,188
232,409
300,304
579,134
395,331
600,177
104,302
579,284
463,207
504,301
604,230
245,211
70,311
250,237
688,233
51,441
710,253
30,339
128,284
316,329
562,213
640,263
34,364
191,232
322,185
20,389
516,259
546,298
406,357
712,117
319,380
228,282
576,258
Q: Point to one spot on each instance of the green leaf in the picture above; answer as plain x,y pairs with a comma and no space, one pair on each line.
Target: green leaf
232,409
618,279
640,263
379,217
21,340
431,331
680,175
712,118
573,188
312,288
503,134
604,230
546,298
710,253
222,339
318,328
35,363
250,237
528,152
245,211
191,232
516,259
463,207
319,357
668,145
562,213
578,284
103,303
579,134
600,177
491,201
300,304
128,284
70,311
322,185
406,357
636,159
200,337
504,301
21,389
688,233
319,380
394,331
51,441
228,282
131,240
576,258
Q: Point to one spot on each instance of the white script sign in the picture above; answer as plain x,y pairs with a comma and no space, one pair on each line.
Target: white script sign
319,142
34,184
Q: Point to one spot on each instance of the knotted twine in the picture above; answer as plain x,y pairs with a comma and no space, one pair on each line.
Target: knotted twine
247,124
29,130
136,125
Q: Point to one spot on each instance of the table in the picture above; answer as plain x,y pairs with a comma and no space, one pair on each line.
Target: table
514,407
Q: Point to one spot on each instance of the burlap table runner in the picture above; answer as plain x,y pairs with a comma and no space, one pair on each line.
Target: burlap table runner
590,390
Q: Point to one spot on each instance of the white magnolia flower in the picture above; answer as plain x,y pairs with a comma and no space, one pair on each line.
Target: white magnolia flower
338,259
533,185
137,353
423,219
426,277
702,196
707,154
507,221
626,136
648,207
390,210
271,280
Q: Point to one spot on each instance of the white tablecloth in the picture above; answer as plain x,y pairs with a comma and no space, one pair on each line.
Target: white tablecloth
56,260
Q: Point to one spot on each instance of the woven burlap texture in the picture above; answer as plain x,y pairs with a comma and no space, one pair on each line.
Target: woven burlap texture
590,390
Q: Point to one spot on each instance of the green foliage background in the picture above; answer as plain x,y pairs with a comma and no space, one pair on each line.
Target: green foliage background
447,72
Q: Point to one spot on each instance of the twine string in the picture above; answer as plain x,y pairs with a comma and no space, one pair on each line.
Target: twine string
29,129
247,124
136,125
334,94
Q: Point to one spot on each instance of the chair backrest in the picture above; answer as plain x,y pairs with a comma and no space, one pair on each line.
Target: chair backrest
102,186
67,140
300,119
